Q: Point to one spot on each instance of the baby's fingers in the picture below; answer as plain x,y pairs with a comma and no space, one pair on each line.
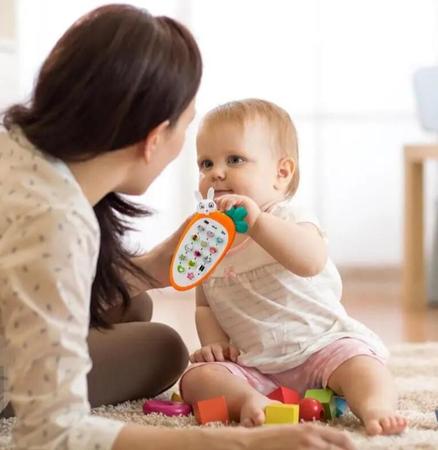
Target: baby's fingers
217,352
233,353
207,354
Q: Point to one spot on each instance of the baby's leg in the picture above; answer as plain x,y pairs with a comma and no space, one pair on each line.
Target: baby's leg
245,404
370,392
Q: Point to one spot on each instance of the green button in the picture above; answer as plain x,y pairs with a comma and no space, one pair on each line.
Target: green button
180,269
192,263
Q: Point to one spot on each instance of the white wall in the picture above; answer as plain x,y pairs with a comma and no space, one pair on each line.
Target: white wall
342,68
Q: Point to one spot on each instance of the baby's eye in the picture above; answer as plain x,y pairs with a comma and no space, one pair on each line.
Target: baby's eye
235,160
206,164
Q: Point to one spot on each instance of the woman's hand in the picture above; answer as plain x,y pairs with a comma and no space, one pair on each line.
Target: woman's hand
157,261
304,436
226,202
219,351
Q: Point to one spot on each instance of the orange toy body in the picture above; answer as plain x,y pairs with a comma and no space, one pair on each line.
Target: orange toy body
203,244
211,410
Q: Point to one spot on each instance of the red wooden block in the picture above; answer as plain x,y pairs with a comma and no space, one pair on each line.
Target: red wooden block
285,395
211,410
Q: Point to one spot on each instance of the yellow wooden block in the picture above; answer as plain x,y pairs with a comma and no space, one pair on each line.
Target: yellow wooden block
277,413
176,397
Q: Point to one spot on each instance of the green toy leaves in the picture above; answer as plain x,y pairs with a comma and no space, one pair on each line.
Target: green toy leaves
238,215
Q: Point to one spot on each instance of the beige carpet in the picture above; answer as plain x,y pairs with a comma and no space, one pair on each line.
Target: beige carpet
415,367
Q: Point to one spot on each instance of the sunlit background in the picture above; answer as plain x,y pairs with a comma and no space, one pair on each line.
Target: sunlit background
342,68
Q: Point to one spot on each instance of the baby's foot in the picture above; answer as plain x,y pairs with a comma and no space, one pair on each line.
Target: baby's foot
383,421
252,412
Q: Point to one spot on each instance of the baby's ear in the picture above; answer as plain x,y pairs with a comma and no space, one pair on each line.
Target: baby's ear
285,172
210,193
198,196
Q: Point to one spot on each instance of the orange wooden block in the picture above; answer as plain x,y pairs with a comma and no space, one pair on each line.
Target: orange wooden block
211,410
285,395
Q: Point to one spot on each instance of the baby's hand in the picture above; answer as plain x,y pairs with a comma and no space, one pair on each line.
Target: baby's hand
226,202
220,351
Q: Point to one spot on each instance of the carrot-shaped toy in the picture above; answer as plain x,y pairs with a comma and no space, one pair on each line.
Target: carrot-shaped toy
204,242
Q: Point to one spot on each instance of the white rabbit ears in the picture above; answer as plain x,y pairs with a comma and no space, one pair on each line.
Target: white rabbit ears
198,196
210,195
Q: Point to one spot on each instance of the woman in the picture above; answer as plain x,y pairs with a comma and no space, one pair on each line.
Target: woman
109,112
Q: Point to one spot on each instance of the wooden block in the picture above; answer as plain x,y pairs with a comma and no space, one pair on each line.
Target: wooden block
285,395
211,410
341,406
327,399
277,414
176,397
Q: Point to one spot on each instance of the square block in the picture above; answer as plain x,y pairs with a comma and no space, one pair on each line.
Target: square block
277,414
326,398
285,395
211,410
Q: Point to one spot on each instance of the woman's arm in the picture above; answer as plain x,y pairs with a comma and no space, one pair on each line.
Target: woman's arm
45,318
273,437
156,264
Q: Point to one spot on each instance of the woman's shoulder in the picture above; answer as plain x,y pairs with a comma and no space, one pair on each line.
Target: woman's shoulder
36,185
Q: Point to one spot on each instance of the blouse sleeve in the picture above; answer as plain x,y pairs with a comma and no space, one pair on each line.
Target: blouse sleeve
47,261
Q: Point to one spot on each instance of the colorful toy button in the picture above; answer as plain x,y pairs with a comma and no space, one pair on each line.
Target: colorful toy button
195,237
204,243
213,250
190,275
207,258
210,234
197,253
188,248
167,408
182,257
180,268
219,240
192,263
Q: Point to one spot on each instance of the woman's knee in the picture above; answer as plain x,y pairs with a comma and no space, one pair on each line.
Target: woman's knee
170,350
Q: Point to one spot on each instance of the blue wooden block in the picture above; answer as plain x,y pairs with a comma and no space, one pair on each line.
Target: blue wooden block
341,406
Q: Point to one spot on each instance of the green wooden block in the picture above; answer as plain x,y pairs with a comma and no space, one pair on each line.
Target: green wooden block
326,398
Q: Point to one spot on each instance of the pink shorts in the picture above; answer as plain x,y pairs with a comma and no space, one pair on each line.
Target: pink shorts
312,374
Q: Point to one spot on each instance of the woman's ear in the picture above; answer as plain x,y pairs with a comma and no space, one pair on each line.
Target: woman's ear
285,172
152,140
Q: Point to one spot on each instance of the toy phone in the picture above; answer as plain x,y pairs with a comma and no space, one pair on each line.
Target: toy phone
204,242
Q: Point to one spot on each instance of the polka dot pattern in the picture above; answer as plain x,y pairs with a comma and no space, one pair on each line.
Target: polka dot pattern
49,243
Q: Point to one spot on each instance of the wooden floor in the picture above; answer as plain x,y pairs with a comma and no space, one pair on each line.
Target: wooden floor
372,297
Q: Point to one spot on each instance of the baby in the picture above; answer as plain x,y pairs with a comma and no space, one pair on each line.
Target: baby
270,313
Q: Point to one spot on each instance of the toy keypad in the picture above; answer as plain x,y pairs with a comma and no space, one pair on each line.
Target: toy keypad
202,246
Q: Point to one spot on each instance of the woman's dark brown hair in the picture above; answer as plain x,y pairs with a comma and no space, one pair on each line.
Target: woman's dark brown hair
115,74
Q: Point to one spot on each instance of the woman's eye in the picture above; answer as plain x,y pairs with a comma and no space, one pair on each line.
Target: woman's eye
235,160
206,164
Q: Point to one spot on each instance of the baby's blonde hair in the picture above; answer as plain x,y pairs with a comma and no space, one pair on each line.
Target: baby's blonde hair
277,120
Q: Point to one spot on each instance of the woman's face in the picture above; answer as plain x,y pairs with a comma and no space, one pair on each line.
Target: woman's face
167,148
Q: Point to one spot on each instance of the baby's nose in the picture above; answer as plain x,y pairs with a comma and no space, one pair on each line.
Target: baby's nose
218,173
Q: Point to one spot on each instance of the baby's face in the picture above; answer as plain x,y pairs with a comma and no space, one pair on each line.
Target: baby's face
236,160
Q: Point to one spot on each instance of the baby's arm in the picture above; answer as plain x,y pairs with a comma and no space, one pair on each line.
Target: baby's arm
299,247
214,341
209,330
